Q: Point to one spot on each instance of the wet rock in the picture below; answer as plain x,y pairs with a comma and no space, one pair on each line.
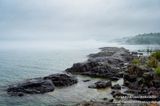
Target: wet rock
108,63
41,85
116,87
105,99
114,78
97,103
31,86
101,54
61,80
86,80
138,70
130,91
134,53
156,83
93,69
101,84
108,100
80,68
117,94
130,78
148,76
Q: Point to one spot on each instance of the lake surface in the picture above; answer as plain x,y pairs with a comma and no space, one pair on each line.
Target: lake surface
20,64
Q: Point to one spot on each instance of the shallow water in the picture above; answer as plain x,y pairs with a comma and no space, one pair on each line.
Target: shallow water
19,64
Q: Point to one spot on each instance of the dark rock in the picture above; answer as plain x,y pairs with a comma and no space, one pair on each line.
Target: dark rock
156,83
101,54
61,80
110,100
117,87
101,84
114,78
41,85
134,53
20,94
126,83
105,99
140,54
93,69
108,63
117,94
130,78
120,74
31,86
132,91
97,103
86,80
138,70
148,76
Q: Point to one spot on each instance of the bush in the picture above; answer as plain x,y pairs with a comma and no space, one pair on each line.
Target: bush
136,61
157,70
156,55
152,62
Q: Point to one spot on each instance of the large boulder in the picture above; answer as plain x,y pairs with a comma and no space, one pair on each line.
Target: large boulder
101,84
95,69
116,87
31,86
61,80
41,85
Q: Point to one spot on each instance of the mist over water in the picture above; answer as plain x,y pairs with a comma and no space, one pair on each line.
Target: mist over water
42,37
57,45
74,20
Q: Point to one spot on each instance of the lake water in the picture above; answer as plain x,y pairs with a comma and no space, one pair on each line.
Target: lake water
20,64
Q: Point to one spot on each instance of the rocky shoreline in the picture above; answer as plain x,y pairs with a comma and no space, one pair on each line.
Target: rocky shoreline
41,85
140,80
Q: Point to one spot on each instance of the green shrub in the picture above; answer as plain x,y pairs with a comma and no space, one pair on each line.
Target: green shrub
136,61
152,62
156,55
157,70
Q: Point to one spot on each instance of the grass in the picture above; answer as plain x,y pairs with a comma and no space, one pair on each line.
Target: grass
157,70
136,61
152,62
156,55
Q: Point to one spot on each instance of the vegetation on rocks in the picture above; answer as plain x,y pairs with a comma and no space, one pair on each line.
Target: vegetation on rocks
157,70
152,62
156,55
136,61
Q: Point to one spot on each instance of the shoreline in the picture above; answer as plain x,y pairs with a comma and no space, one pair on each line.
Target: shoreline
109,65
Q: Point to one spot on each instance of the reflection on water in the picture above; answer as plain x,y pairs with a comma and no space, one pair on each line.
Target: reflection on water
68,95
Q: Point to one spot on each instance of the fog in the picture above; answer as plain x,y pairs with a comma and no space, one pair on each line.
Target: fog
57,21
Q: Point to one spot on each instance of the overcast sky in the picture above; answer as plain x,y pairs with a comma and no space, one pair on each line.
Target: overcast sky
55,20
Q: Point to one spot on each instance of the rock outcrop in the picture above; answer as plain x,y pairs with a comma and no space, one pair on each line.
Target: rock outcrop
116,87
109,63
31,86
41,85
142,81
101,84
61,80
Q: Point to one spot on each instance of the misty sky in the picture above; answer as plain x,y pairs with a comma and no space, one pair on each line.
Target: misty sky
55,20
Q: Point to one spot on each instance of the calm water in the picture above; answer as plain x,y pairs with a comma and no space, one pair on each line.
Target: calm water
19,64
